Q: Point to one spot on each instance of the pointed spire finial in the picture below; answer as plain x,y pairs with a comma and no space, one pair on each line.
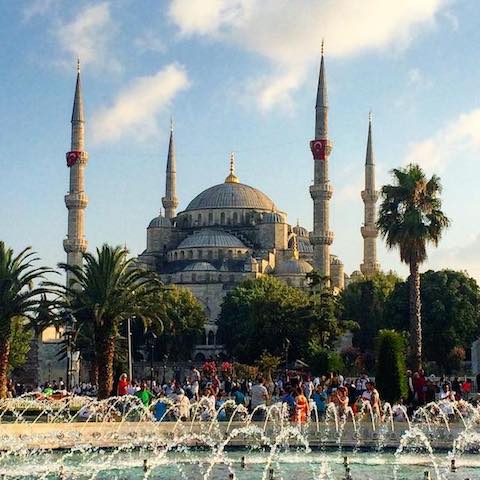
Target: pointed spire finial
370,116
369,157
323,45
171,123
78,65
232,178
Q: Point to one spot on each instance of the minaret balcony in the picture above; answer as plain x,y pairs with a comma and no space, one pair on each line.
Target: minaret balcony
321,238
76,200
369,231
323,191
170,202
370,195
74,245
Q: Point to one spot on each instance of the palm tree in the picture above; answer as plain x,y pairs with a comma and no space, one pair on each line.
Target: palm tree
106,291
410,218
18,298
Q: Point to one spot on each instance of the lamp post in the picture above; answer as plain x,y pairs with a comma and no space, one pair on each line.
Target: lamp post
151,339
69,322
129,344
286,346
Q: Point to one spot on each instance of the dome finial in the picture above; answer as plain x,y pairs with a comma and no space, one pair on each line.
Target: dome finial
78,65
232,178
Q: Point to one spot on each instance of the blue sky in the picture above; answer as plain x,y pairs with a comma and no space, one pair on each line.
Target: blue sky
237,75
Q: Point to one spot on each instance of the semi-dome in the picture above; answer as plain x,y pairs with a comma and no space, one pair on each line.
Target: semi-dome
293,267
159,222
304,245
273,217
231,195
200,267
300,231
211,238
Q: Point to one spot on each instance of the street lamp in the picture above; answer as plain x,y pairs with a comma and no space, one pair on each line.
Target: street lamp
286,346
151,339
69,323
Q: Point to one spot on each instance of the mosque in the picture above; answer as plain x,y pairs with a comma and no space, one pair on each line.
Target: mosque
231,231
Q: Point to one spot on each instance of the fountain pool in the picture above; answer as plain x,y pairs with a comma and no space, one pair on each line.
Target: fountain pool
196,465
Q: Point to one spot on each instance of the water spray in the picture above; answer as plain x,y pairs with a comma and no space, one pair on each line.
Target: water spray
145,465
243,462
427,476
453,467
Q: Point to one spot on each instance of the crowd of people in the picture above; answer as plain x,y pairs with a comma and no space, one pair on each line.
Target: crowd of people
303,395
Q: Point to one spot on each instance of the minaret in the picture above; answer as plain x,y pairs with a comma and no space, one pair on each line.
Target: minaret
321,190
369,197
170,200
76,200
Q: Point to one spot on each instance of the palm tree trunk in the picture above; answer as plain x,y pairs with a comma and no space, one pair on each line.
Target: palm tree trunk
415,318
4,354
105,356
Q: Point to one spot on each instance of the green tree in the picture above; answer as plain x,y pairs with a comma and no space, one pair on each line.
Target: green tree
107,290
363,302
450,313
260,314
390,374
20,339
410,218
183,319
18,298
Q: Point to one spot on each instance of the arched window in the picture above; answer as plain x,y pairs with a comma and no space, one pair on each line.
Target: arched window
199,218
210,218
220,254
182,255
181,277
175,256
235,217
222,218
209,254
194,277
190,254
200,254
230,254
211,338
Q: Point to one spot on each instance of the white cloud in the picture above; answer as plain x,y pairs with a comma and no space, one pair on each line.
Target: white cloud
460,136
136,107
465,257
88,36
288,33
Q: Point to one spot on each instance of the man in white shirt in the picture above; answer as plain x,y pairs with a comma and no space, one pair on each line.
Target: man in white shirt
259,396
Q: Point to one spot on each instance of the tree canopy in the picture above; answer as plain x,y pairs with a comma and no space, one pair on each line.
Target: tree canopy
450,312
182,321
363,302
259,315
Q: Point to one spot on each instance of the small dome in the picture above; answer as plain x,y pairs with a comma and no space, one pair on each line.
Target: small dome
200,267
211,238
300,231
334,260
356,274
293,267
159,222
304,245
273,217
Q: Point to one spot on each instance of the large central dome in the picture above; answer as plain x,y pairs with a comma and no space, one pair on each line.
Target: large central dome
231,195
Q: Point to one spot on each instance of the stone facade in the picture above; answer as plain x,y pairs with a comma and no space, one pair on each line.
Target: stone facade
232,232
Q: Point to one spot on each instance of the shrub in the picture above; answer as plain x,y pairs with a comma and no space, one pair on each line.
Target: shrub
390,365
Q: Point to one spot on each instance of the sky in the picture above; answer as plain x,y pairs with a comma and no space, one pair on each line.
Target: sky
236,75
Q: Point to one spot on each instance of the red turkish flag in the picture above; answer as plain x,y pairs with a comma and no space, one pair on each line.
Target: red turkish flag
72,158
318,148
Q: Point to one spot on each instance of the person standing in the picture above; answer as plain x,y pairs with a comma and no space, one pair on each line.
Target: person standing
259,397
144,394
123,383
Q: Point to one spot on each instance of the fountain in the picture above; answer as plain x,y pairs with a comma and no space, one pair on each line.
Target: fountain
119,438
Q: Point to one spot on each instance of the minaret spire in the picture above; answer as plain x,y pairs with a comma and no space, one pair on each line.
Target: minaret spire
170,200
369,197
321,190
76,200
